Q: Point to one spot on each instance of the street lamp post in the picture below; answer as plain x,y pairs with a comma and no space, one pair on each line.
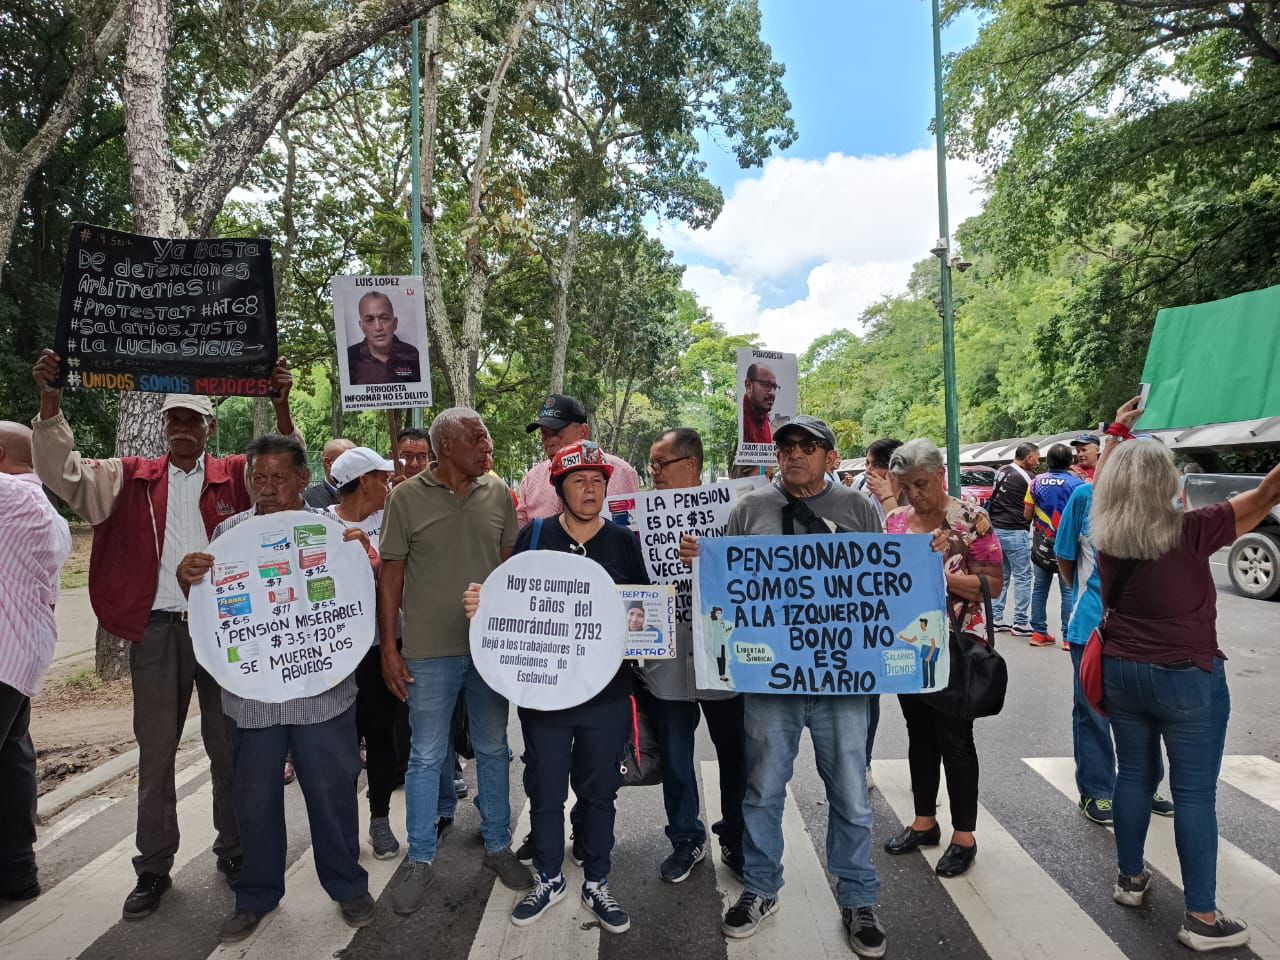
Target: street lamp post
942,251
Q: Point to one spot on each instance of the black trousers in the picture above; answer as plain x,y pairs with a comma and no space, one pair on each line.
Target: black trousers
327,758
378,717
935,738
17,791
581,746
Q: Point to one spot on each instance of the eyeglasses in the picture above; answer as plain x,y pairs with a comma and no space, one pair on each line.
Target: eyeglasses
657,466
806,446
769,385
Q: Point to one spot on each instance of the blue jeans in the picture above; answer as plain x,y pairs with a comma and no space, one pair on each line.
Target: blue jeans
1189,709
1091,741
1015,545
1040,600
436,682
838,728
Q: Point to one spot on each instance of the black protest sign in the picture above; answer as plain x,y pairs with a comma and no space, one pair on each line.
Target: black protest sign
166,316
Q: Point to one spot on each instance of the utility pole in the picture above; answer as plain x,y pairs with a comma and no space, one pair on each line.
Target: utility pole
942,250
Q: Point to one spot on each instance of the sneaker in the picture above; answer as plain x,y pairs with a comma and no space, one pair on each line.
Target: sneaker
1021,630
1224,932
731,856
1003,628
1161,807
145,896
442,827
513,874
607,910
1098,810
459,787
743,919
411,894
546,892
871,781
230,868
239,926
866,933
21,892
358,911
1131,891
1043,640
577,849
524,852
384,842
1066,646
683,859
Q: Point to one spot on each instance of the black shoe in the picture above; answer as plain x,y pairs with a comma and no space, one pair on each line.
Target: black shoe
442,827
1222,934
459,787
358,911
576,849
865,931
956,860
909,840
524,852
26,892
239,926
677,867
731,856
230,868
144,899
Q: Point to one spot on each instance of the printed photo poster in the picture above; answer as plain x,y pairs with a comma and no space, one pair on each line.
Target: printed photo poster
651,621
767,398
846,613
380,326
166,315
287,610
550,631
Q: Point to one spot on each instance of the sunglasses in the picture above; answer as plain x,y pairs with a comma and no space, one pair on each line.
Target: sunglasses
807,447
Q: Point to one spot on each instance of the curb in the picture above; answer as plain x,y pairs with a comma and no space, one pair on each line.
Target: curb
78,787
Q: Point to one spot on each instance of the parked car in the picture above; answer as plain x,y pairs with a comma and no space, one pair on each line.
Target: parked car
1254,561
976,483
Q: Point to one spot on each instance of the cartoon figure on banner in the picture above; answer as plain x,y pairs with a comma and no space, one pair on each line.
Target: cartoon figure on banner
925,639
719,631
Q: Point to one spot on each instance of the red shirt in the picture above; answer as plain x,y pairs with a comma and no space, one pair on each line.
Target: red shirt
1168,611
755,430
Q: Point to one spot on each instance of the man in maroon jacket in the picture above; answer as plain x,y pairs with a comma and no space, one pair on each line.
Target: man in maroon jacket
147,514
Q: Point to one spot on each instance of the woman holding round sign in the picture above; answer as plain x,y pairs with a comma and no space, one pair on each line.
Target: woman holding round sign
580,743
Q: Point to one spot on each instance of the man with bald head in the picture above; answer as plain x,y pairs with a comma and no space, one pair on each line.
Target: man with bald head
324,494
15,449
759,392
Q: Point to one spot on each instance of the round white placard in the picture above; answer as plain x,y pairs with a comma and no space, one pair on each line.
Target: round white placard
550,630
287,610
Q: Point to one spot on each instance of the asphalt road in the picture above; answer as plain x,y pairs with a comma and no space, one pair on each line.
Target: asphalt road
1041,887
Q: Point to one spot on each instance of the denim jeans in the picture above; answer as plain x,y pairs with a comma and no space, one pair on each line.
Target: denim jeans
1189,709
1040,600
838,727
436,682
1091,741
1015,545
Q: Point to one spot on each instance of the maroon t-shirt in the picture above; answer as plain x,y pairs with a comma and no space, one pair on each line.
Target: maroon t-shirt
1169,608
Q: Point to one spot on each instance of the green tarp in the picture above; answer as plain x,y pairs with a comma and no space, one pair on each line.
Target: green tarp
1214,362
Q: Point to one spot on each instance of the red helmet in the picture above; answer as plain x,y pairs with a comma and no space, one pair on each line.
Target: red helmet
580,455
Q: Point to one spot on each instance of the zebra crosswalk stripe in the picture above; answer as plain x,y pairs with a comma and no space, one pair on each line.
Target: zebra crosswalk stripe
1246,888
1015,909
1254,775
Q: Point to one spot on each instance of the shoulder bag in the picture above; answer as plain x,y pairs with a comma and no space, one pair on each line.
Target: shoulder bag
1091,659
979,676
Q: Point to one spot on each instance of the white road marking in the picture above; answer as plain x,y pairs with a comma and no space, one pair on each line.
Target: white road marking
1257,776
1015,909
1246,888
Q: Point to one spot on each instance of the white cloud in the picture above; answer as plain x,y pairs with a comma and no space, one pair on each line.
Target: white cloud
852,226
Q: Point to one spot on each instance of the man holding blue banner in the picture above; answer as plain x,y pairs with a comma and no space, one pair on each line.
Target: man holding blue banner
803,502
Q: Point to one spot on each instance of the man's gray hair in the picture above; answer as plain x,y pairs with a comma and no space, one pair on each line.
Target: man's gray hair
1133,516
448,423
918,454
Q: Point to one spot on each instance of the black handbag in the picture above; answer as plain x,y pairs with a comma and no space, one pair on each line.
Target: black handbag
1042,554
641,762
979,676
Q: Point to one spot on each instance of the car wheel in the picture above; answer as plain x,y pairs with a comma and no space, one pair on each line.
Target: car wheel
1254,566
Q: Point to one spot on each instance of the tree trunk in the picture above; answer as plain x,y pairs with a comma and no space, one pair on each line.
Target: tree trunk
621,418
563,283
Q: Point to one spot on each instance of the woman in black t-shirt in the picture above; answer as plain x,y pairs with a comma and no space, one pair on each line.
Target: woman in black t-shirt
581,745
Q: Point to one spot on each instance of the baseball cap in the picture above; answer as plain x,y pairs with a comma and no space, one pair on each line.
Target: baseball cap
1084,440
558,411
187,401
810,425
355,463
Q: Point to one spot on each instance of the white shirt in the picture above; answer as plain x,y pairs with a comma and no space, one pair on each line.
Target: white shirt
34,543
372,526
183,533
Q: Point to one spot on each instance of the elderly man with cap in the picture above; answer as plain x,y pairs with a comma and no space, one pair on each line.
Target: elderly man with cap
1086,448
325,493
802,501
562,421
147,514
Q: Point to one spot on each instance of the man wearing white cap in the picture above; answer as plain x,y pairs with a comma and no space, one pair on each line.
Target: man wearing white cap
147,514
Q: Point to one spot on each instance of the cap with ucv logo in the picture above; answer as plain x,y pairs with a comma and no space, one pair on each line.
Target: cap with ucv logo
558,411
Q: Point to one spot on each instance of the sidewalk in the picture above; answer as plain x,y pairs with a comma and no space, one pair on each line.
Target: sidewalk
76,624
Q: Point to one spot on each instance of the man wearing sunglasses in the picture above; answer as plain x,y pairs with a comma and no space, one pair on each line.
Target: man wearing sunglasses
759,393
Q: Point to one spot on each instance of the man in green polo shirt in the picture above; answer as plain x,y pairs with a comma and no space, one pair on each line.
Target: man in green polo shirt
447,527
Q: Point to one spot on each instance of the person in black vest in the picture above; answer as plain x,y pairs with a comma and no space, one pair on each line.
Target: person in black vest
1008,496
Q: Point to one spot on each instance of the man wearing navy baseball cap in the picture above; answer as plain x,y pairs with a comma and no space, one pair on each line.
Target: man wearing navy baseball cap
1086,447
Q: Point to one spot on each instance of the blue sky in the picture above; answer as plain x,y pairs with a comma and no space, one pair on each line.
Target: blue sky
835,222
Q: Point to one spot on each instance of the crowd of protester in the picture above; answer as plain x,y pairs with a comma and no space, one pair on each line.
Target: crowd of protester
435,521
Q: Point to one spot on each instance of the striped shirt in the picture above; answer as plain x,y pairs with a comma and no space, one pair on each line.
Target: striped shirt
254,714
183,533
34,543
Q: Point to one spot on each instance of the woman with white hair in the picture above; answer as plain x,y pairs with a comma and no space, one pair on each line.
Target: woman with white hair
1163,673
963,534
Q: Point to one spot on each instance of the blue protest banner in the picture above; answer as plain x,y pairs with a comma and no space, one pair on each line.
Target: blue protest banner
836,614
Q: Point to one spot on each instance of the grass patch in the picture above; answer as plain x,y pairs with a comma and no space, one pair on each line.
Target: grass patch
86,678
